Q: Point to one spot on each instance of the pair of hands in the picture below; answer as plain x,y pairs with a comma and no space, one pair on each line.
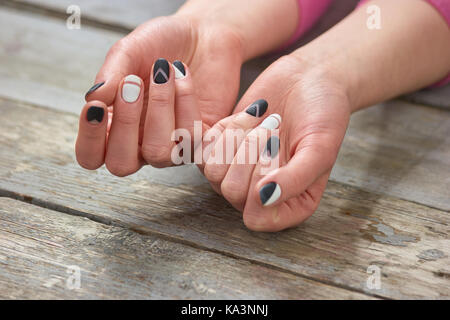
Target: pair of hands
128,121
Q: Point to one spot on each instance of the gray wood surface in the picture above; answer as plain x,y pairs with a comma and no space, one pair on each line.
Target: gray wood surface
39,246
396,134
351,230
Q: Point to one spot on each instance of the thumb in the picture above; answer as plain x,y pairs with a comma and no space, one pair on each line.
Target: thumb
308,164
122,59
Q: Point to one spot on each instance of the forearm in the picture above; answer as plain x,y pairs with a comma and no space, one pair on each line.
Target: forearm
261,26
410,51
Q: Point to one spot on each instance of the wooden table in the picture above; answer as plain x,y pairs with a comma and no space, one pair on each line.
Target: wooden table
386,207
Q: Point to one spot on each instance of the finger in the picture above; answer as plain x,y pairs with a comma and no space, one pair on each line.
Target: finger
187,114
235,186
308,163
157,144
232,136
91,140
286,214
121,60
122,156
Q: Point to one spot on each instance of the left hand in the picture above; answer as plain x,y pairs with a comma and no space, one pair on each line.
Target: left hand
315,113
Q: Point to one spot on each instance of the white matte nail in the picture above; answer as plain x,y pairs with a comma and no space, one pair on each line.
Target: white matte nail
131,88
272,122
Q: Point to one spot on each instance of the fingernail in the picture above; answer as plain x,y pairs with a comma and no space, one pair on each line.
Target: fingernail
131,88
270,193
95,115
161,71
272,147
93,88
257,108
180,71
272,122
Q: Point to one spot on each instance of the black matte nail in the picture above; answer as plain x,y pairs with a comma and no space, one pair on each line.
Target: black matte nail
94,87
161,71
272,147
95,114
270,193
180,66
257,108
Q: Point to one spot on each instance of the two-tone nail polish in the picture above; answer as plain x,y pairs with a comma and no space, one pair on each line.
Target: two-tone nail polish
95,115
257,108
161,71
94,88
270,193
272,147
131,88
180,71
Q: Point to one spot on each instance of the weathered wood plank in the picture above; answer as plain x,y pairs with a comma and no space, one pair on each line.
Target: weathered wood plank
43,62
38,247
129,14
406,139
351,230
399,149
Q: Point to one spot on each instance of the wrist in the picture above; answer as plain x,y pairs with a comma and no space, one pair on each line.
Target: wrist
317,71
258,26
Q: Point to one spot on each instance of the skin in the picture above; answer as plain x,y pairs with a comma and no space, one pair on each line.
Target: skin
315,89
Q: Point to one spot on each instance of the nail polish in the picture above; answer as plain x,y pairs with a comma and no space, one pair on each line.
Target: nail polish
270,193
131,88
161,71
93,88
95,114
257,108
180,71
272,122
272,147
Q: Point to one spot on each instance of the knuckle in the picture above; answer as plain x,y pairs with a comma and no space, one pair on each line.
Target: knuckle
184,90
233,191
156,154
214,173
119,169
126,118
119,46
255,222
160,99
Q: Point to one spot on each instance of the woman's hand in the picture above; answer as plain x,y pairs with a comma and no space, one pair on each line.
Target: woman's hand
213,38
314,112
144,126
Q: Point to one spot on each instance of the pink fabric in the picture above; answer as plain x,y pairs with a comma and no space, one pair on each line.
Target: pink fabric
311,10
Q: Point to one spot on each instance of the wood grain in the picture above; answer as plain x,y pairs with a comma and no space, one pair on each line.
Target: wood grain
351,230
39,246
44,63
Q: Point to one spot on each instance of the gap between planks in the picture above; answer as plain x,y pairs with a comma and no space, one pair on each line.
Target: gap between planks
340,191
146,232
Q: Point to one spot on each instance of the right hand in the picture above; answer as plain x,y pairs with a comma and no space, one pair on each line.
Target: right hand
213,55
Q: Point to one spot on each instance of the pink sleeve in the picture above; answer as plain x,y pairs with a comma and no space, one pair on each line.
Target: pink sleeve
309,12
443,7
